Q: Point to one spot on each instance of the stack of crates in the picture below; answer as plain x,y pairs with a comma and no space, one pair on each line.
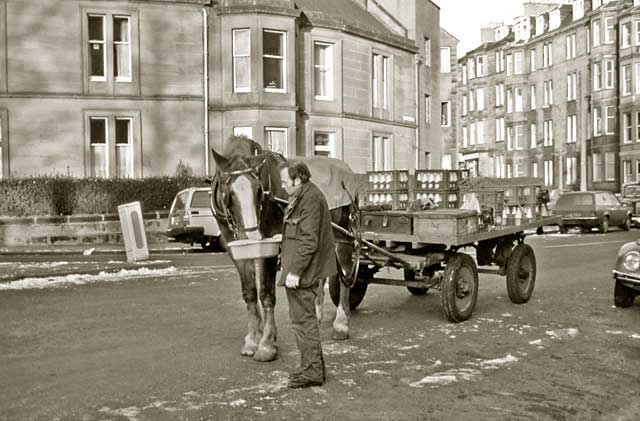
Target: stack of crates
388,189
438,186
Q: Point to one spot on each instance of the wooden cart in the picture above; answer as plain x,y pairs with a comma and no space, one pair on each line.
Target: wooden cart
428,246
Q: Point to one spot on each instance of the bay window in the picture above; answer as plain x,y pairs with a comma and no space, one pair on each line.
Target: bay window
241,60
275,139
323,71
324,144
382,153
273,60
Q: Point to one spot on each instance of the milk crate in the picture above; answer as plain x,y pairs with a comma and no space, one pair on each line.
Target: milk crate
388,180
440,198
528,195
431,180
389,199
489,200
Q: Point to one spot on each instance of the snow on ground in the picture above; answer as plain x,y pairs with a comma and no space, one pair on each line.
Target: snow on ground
82,279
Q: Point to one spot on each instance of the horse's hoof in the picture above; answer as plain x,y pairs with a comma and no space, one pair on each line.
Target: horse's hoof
340,336
248,351
265,354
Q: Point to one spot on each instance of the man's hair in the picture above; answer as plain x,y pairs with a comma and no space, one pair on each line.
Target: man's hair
297,169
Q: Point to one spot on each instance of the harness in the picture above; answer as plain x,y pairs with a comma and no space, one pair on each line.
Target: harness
222,182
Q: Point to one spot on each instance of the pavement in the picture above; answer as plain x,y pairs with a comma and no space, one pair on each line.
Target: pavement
94,248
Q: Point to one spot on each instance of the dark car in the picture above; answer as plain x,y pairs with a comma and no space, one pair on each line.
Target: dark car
631,197
191,219
589,209
627,275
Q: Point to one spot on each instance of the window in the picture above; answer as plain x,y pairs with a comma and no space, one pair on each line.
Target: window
572,174
588,43
548,133
97,50
519,144
427,109
122,48
571,86
480,66
464,74
548,172
596,160
464,105
571,46
548,93
597,76
465,136
445,60
471,65
4,156
273,60
472,101
547,55
382,153
445,114
597,121
596,33
380,81
499,163
480,132
626,127
625,37
509,138
324,144
610,119
509,171
533,97
243,131
572,128
609,80
472,134
637,78
509,100
499,95
638,126
519,100
627,171
509,64
519,169
446,162
275,139
534,169
532,60
610,31
609,166
500,129
499,61
323,71
519,62
241,60
427,52
626,79
532,136
480,96
637,32
112,146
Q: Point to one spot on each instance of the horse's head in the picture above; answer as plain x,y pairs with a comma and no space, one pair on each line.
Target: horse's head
246,192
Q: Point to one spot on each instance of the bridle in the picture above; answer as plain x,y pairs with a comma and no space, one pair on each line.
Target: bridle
223,181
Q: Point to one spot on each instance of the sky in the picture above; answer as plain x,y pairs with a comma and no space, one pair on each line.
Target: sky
464,18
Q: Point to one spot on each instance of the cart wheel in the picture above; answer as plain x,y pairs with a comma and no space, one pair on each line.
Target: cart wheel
356,292
623,296
459,287
521,273
410,275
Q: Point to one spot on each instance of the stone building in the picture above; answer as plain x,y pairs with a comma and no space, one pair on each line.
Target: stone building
552,95
132,88
448,103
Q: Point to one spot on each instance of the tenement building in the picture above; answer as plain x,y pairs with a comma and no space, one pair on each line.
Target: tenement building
556,95
130,88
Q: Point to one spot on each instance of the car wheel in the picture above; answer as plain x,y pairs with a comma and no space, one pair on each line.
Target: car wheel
623,295
604,225
627,224
563,229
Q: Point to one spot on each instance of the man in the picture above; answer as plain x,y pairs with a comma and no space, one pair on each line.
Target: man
307,257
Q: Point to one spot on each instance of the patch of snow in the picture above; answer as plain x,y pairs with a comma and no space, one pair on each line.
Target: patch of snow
506,315
635,336
338,348
89,252
131,413
536,342
437,363
42,265
436,379
562,333
508,359
82,279
348,382
405,348
615,332
238,402
380,372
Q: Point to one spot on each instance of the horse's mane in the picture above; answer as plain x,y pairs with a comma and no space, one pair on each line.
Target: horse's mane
241,147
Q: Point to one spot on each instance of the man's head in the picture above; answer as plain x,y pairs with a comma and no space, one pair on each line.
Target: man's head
294,174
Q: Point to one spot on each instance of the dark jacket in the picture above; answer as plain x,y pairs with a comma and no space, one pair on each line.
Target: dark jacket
308,248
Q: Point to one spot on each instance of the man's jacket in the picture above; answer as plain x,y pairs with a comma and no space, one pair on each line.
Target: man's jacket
308,248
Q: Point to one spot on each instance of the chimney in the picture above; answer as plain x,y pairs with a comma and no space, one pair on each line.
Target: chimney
487,34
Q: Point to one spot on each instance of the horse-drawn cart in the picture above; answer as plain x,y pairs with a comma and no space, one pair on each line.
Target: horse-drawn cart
428,247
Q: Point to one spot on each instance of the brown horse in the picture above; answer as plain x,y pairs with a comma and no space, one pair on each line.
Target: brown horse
248,202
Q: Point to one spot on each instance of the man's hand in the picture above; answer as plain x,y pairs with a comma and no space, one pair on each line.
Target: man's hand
292,281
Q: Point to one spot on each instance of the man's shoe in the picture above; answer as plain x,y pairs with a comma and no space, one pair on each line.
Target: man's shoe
301,382
295,374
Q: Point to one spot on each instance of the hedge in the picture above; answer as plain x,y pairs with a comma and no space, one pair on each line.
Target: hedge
61,195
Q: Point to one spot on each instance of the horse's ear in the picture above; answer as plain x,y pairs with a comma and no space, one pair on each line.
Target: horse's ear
222,163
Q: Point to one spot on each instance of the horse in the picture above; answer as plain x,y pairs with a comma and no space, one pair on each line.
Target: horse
248,201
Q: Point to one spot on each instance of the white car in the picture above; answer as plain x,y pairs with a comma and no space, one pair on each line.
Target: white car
191,220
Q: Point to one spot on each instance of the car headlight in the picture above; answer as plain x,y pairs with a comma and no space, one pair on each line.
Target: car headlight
631,261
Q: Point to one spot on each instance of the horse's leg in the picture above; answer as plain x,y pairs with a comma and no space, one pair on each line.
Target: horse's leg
250,295
320,300
267,349
343,312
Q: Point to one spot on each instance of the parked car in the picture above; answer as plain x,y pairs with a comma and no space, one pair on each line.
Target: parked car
630,195
589,209
554,195
627,275
191,220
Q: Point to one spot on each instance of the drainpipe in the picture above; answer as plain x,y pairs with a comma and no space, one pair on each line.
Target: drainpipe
205,83
417,81
585,129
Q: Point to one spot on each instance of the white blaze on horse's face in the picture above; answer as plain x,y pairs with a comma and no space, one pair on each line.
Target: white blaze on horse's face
242,188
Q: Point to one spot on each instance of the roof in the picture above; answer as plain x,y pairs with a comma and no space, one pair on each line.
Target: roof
449,33
346,12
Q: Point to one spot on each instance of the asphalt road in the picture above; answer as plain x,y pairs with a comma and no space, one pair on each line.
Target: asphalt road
166,346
